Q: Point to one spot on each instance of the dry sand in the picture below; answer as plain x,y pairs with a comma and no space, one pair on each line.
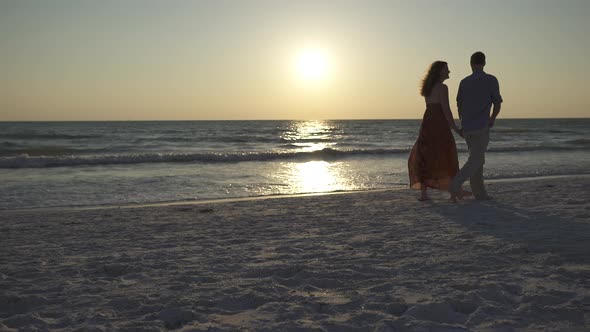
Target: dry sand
366,261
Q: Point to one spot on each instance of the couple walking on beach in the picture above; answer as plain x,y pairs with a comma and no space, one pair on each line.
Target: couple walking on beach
433,161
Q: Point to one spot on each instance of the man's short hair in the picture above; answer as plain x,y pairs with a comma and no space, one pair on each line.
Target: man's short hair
478,58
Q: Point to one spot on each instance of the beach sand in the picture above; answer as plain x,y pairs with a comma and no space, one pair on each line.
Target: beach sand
363,261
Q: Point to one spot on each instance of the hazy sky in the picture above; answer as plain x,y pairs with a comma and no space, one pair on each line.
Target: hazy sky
217,59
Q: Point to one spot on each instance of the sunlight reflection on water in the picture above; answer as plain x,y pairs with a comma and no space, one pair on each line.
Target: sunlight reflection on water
313,176
310,136
316,176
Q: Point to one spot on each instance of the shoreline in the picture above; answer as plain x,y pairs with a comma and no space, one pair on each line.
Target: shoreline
265,197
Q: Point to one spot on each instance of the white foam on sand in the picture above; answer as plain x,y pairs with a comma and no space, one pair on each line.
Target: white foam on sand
368,261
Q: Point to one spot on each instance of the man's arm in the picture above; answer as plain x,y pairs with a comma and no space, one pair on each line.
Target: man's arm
495,112
459,101
497,100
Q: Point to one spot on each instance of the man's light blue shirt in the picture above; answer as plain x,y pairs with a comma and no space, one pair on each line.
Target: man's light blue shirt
477,92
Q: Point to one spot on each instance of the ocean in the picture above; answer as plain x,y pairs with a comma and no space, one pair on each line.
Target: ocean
67,164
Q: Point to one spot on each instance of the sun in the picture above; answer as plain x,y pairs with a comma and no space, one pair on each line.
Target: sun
312,64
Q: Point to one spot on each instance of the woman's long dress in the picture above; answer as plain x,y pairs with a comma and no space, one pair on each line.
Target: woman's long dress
433,160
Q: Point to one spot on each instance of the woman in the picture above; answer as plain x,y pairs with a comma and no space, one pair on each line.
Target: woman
433,161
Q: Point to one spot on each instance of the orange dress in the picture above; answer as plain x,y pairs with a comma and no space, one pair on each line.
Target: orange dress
433,160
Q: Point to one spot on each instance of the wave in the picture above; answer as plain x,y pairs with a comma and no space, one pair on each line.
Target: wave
214,139
309,140
32,135
26,161
8,144
580,141
44,151
531,130
41,161
291,146
531,149
208,139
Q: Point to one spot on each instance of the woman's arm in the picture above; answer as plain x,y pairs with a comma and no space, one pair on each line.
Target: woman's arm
444,94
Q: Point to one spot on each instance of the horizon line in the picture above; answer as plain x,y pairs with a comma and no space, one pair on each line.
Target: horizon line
220,120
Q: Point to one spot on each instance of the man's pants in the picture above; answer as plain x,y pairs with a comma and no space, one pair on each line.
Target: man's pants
477,142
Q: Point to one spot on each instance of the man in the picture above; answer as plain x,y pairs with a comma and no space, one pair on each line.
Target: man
476,95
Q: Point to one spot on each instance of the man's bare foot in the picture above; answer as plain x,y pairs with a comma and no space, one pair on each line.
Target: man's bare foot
484,198
423,198
455,196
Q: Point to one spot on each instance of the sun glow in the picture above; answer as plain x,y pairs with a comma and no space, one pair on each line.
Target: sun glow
312,64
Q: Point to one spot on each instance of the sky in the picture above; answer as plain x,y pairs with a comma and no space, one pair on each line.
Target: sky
239,60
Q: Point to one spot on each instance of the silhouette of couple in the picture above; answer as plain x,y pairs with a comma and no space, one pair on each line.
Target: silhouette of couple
433,161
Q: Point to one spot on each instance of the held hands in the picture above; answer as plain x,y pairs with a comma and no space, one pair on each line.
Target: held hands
491,122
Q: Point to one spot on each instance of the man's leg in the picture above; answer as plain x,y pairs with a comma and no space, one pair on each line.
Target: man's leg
476,183
476,180
477,144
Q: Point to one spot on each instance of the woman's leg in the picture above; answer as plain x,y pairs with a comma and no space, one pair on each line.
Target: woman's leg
423,194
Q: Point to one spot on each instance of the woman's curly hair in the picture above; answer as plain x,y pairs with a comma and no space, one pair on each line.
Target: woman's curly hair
431,78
